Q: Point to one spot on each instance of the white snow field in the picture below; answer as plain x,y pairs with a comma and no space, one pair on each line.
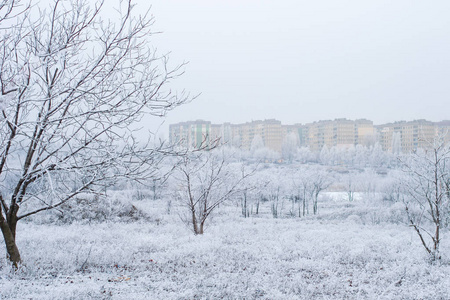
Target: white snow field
349,251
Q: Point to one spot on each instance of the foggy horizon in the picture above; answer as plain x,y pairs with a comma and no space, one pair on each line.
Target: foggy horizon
300,62
97,202
330,119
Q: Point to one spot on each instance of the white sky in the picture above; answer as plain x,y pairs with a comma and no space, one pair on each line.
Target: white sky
303,61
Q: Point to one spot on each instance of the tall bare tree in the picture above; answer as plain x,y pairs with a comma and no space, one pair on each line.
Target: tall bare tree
428,187
72,84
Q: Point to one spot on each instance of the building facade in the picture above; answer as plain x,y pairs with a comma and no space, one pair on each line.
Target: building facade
192,134
395,137
405,136
337,133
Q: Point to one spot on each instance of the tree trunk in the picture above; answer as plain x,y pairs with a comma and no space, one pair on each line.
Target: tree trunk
316,196
304,206
304,202
293,206
9,236
194,222
436,255
275,207
244,206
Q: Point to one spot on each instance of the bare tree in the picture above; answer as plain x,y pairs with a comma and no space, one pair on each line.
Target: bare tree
272,187
309,183
205,181
72,83
302,184
319,182
392,187
350,185
428,187
250,195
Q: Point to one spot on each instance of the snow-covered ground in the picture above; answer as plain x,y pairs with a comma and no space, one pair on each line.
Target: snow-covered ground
349,251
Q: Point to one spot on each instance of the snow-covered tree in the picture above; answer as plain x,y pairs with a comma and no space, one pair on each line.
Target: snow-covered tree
350,181
302,186
308,183
236,142
428,187
289,147
378,157
305,155
251,194
324,156
257,143
396,143
361,156
319,182
72,84
205,181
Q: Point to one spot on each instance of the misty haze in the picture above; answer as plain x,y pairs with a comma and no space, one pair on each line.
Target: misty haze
224,149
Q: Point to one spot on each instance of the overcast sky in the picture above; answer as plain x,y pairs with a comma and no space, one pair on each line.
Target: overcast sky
303,61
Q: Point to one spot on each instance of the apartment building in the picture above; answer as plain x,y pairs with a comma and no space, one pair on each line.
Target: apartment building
195,133
395,137
269,130
296,129
405,136
365,133
271,133
443,130
318,134
192,134
338,132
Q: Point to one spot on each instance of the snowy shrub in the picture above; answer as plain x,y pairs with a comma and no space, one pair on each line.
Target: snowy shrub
265,259
143,194
354,219
360,212
115,206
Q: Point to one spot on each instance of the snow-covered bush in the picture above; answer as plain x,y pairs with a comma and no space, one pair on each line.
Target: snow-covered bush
114,206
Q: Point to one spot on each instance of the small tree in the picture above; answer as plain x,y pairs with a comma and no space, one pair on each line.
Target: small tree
245,202
302,184
319,182
250,195
325,156
428,187
289,147
273,188
204,182
257,143
350,185
72,83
